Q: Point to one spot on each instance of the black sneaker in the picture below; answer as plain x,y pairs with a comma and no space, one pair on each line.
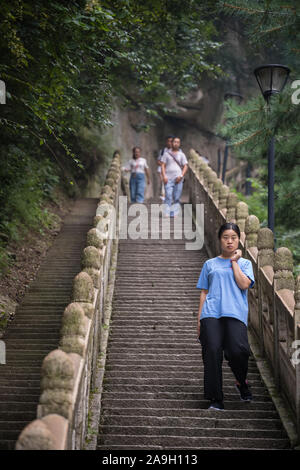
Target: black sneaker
216,405
244,391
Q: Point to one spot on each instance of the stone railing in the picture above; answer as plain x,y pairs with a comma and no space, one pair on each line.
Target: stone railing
68,373
274,302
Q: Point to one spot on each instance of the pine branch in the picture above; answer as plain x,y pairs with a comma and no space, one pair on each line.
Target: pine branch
241,124
254,11
243,141
276,28
243,9
244,113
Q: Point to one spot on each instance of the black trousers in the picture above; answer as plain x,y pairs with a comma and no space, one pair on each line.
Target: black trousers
218,335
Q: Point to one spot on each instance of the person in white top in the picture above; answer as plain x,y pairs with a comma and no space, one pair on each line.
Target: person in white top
159,164
138,167
174,167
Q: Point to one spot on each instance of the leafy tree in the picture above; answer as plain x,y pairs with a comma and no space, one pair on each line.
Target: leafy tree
64,62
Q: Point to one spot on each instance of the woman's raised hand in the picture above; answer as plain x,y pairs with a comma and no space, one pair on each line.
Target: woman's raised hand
236,255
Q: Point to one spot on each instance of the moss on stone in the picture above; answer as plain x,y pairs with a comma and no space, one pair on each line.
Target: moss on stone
73,344
74,321
91,257
57,371
83,288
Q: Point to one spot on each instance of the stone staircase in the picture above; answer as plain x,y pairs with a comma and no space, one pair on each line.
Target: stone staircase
35,330
153,384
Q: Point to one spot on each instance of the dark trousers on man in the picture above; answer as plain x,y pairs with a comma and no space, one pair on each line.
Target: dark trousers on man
218,335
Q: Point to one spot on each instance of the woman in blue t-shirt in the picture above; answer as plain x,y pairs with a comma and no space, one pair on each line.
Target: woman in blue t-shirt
223,316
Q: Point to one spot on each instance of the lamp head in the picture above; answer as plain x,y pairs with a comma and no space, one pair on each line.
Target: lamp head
271,79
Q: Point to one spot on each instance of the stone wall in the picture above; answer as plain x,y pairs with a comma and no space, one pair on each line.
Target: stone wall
274,302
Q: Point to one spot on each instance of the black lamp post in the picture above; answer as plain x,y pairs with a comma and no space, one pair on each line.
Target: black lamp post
271,79
2,92
219,163
238,98
248,188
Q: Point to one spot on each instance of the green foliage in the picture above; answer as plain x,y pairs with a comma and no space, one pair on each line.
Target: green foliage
290,239
257,201
26,184
269,24
3,320
63,64
4,260
249,126
257,204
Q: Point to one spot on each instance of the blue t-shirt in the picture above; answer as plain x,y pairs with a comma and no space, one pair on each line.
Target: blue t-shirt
224,297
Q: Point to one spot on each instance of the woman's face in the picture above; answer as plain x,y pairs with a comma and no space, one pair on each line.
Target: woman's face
229,241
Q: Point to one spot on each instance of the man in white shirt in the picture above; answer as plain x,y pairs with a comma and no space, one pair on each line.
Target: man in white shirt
159,163
174,167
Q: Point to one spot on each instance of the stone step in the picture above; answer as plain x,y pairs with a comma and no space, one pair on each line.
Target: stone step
34,325
15,425
20,377
121,394
26,354
32,344
156,306
182,384
154,345
114,386
170,295
186,359
124,285
18,391
243,413
188,431
156,311
171,442
17,406
23,362
35,330
196,422
40,319
169,376
47,302
148,334
157,365
9,435
111,402
21,335
6,444
25,397
165,382
155,320
144,448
